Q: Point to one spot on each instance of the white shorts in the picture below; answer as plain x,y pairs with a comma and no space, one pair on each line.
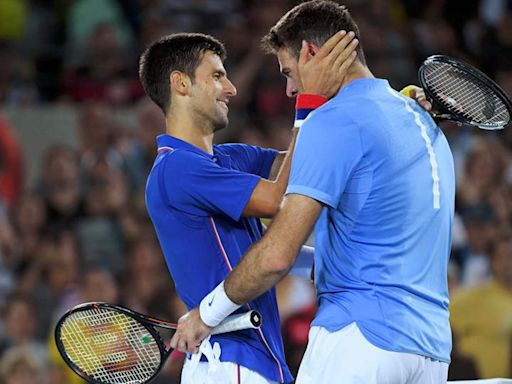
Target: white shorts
345,356
227,373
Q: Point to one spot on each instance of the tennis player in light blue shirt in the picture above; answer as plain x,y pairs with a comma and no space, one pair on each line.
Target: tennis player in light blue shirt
385,178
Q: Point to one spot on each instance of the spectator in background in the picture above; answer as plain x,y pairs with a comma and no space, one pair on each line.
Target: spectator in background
105,73
84,16
96,130
480,225
16,76
483,172
145,276
480,316
103,138
21,323
51,278
462,367
138,149
61,187
19,366
11,164
29,220
99,233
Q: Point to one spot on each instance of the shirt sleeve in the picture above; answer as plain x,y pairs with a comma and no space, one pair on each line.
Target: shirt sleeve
194,184
251,159
327,151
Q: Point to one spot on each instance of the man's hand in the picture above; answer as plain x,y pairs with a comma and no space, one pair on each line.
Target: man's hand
417,94
323,73
190,333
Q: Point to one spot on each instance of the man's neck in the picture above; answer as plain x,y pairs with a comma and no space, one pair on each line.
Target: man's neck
357,71
187,129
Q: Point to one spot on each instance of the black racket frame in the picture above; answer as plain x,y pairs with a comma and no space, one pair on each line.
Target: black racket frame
446,114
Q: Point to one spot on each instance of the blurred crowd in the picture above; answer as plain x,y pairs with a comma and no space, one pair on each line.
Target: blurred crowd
81,232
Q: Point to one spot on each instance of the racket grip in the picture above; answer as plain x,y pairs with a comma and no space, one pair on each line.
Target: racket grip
247,320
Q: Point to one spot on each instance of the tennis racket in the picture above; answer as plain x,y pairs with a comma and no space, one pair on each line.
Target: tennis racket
109,344
460,92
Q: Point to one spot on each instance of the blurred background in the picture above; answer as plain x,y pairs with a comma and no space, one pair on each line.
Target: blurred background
77,139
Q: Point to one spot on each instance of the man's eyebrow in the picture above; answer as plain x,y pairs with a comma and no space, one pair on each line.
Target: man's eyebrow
220,72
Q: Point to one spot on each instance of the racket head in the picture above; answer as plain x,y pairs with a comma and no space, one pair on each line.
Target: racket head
464,94
107,344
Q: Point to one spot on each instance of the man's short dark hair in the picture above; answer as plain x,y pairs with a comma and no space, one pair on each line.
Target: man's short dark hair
177,52
314,21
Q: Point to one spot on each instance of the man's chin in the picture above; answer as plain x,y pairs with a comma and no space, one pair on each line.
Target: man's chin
220,125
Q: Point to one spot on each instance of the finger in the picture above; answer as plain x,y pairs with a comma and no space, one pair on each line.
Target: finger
174,341
193,346
182,345
347,55
303,55
419,93
343,67
425,104
330,44
344,46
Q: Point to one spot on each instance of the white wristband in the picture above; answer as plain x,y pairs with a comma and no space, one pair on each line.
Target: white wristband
216,306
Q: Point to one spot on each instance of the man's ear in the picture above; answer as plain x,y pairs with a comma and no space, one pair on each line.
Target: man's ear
180,82
312,49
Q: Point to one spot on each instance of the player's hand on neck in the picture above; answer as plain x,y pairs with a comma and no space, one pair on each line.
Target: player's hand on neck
323,71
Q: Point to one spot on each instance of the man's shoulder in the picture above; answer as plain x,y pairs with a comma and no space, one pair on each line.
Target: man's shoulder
334,113
234,148
182,160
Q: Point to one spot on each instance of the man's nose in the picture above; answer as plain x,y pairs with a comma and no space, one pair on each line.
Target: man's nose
291,88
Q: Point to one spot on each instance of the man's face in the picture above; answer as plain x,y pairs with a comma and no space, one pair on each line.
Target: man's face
288,65
211,91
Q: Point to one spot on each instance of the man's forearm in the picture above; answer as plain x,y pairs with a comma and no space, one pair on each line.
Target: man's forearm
270,259
259,270
266,262
281,168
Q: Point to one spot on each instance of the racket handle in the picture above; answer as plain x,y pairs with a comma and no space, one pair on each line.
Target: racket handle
247,320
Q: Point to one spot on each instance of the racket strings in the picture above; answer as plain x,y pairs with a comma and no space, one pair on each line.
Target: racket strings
467,101
464,94
110,347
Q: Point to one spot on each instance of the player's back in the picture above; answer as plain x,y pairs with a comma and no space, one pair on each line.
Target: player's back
383,246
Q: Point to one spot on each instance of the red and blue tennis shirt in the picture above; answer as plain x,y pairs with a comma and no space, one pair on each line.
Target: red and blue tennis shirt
195,201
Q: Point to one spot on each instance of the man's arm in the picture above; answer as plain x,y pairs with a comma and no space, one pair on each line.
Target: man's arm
276,165
267,262
270,259
267,195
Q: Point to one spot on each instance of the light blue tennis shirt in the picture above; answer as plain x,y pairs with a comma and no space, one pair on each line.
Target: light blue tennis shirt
384,172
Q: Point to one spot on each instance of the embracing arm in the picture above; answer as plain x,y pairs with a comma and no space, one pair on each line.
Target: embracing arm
267,195
261,268
270,259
